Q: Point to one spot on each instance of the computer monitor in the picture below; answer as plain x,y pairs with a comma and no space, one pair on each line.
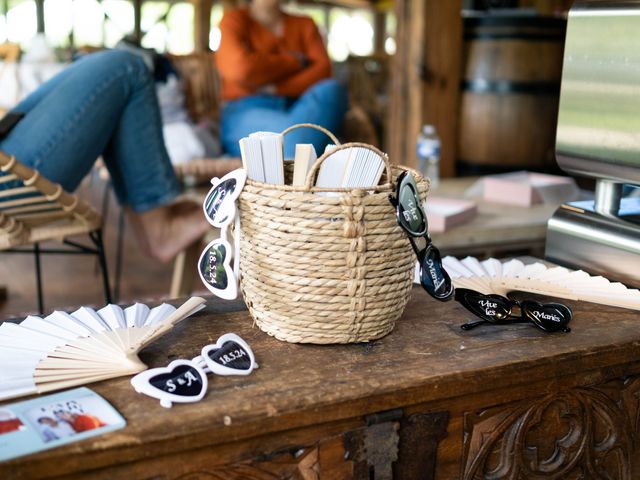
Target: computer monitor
598,132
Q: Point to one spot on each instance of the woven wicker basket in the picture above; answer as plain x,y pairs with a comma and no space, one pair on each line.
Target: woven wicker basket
324,269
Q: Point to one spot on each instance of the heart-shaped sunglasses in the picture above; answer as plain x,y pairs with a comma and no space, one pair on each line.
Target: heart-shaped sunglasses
412,219
495,309
185,381
214,265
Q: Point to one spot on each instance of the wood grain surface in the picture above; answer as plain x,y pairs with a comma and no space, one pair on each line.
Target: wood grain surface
304,393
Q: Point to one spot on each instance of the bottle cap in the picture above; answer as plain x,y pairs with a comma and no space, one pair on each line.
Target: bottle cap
428,129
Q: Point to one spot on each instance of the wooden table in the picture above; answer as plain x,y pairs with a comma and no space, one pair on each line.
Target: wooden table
427,401
496,230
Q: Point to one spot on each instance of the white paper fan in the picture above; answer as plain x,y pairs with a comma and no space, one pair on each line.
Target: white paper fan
494,276
62,350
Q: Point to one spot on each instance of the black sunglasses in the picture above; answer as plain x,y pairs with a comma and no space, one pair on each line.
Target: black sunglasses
496,309
411,217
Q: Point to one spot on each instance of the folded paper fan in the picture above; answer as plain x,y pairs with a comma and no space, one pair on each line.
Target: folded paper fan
494,276
62,350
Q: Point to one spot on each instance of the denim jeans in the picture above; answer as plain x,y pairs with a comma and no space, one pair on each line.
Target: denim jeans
324,104
103,104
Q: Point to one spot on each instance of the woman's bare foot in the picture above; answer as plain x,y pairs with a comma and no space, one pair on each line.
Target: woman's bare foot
165,231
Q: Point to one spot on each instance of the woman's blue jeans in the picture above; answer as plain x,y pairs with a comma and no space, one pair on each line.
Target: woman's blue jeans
324,104
103,104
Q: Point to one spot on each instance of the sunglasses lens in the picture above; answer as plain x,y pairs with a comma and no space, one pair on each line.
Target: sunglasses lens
183,380
231,355
433,277
410,213
212,266
551,317
492,308
215,199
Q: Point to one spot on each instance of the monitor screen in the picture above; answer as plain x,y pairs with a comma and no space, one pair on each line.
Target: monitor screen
598,131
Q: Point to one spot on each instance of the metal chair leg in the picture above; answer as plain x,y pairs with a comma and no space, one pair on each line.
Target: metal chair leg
106,197
119,254
36,254
96,236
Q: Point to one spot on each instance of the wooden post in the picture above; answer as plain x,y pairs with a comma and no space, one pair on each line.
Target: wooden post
442,72
137,20
40,15
202,24
379,32
426,78
405,111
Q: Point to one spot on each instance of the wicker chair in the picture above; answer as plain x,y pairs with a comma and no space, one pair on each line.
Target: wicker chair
35,210
202,95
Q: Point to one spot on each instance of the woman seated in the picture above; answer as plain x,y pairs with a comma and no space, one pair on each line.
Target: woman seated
105,105
275,73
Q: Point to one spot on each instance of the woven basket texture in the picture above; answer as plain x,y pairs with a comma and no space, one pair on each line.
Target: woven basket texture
324,269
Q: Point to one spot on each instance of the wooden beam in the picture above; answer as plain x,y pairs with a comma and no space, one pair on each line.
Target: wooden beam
137,20
442,63
405,110
40,15
379,32
202,24
426,78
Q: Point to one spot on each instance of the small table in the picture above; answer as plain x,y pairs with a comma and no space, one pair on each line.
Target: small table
496,229
427,401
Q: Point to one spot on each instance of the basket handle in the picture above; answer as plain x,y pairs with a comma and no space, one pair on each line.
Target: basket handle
314,126
314,168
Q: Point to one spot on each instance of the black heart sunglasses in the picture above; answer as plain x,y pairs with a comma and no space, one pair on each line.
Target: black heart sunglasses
494,309
411,217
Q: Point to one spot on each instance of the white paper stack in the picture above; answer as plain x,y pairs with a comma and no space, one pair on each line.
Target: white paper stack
63,350
251,152
272,145
354,167
263,157
363,169
332,170
305,157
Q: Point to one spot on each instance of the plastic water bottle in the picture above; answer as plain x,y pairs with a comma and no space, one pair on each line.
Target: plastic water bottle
428,150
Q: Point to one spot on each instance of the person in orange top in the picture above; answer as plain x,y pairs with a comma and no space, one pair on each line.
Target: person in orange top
275,73
84,422
80,422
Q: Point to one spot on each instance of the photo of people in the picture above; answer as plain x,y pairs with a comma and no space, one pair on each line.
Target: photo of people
9,422
60,420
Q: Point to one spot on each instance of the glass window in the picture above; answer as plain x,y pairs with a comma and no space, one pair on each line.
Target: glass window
87,23
119,20
180,28
168,26
214,34
350,33
21,23
153,25
390,33
58,17
3,28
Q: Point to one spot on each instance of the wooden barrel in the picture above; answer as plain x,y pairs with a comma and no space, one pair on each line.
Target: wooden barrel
512,66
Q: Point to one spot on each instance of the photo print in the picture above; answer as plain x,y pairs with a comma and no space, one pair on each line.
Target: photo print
61,420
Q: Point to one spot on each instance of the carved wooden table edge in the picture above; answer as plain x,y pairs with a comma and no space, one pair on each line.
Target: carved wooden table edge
431,402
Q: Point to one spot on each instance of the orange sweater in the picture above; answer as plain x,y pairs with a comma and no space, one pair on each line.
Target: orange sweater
251,57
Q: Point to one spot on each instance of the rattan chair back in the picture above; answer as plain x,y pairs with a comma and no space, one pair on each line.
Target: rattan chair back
34,209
